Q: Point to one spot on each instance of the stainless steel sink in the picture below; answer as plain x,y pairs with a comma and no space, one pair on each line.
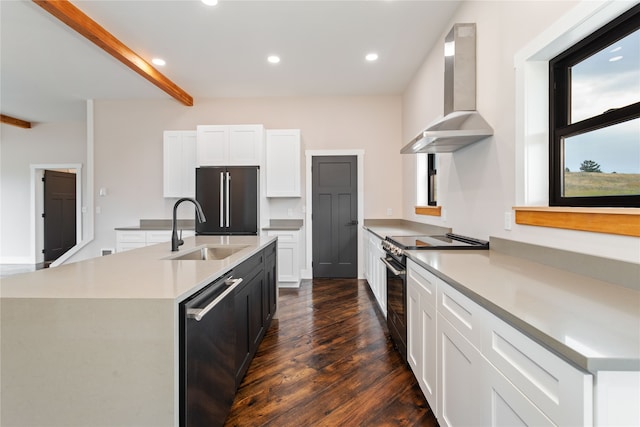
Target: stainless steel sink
208,253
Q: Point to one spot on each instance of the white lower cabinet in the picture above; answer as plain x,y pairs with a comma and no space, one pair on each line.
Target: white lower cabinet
132,239
421,331
460,400
563,393
488,373
288,257
507,406
376,272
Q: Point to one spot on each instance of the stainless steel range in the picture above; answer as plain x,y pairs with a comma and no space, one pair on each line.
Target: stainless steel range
396,262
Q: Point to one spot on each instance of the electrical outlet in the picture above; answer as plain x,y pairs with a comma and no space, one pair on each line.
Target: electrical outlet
290,212
389,212
507,220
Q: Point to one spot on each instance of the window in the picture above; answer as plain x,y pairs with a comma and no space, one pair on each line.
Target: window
594,116
426,185
431,176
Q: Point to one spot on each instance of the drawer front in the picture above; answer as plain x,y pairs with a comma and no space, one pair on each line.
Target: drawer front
125,246
562,392
461,312
132,236
284,236
423,278
158,236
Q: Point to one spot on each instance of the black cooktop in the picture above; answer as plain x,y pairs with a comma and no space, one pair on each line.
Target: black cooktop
446,241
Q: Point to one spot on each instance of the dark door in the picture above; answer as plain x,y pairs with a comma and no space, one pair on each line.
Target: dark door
59,213
335,216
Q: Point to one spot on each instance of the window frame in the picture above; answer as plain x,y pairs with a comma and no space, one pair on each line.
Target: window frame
559,110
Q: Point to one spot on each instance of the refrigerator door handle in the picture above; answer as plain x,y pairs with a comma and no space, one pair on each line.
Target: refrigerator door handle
221,199
228,191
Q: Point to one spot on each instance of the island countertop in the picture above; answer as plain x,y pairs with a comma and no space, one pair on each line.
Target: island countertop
103,334
144,273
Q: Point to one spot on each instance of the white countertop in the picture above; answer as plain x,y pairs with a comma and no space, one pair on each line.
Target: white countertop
592,323
142,273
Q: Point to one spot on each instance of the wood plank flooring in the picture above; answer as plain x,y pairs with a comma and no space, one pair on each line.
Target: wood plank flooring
328,361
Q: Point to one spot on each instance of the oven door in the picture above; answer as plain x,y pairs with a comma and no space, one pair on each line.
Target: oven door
396,303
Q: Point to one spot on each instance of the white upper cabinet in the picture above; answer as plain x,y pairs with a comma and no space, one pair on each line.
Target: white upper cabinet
230,145
179,163
283,163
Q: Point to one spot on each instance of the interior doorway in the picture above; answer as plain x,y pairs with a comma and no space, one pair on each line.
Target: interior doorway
59,213
72,211
335,216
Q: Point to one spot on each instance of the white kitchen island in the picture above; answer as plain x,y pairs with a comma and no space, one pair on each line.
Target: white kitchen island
95,343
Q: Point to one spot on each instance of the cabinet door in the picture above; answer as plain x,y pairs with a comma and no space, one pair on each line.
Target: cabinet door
365,255
212,145
381,276
414,336
172,173
242,307
460,398
256,310
428,352
283,163
270,283
288,255
188,164
245,145
507,406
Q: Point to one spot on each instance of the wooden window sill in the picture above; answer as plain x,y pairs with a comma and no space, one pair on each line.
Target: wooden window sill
429,210
621,221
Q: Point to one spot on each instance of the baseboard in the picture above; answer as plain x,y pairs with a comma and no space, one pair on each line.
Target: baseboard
293,285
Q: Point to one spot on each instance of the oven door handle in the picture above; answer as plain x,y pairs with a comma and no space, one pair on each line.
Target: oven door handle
392,268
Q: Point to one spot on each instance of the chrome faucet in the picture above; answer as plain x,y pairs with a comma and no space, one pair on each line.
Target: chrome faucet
175,241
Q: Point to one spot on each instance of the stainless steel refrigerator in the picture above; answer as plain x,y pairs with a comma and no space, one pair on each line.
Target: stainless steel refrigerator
229,198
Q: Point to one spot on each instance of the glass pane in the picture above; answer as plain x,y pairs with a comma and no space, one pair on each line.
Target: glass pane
604,162
608,79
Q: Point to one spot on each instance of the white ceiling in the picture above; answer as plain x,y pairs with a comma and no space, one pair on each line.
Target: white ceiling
47,70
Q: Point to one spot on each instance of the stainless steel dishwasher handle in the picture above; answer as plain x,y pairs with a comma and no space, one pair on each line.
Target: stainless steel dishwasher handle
199,313
393,269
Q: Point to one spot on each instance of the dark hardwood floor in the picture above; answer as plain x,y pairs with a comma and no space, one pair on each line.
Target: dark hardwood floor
328,361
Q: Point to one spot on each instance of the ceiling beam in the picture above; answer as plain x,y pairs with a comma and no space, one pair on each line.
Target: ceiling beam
14,122
80,22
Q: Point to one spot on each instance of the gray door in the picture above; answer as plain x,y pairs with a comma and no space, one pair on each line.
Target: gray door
335,216
59,213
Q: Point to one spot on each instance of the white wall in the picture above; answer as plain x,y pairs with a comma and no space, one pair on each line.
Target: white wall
477,183
44,143
128,150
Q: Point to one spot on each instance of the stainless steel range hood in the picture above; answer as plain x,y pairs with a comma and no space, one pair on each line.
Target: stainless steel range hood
462,124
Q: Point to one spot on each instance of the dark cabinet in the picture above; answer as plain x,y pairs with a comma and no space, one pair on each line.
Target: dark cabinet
255,304
270,282
220,330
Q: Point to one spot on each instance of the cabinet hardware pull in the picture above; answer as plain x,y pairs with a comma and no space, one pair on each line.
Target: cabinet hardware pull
199,313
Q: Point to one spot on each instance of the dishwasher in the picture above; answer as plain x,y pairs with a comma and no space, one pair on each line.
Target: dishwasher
207,354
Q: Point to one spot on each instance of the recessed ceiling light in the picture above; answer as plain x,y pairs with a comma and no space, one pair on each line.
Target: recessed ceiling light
159,62
371,57
210,2
615,49
615,58
274,59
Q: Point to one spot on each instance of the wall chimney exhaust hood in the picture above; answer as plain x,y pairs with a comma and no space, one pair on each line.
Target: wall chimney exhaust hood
462,124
